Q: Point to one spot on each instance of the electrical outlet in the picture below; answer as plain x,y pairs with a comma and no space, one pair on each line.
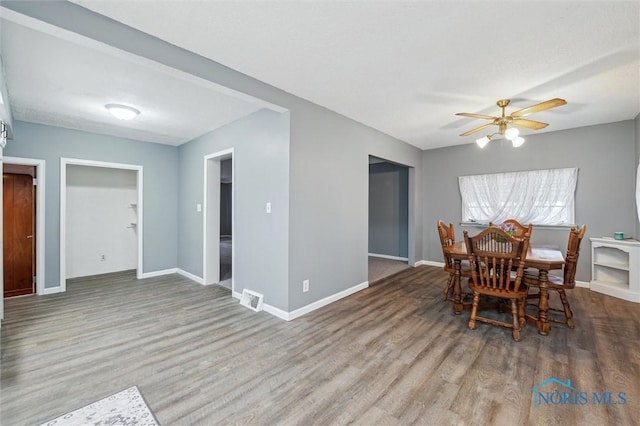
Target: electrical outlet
103,258
305,286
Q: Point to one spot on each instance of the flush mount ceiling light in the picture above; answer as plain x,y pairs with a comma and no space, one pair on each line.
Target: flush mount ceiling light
514,119
122,112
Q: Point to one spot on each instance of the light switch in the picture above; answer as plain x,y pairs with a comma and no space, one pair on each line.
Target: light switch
198,207
268,207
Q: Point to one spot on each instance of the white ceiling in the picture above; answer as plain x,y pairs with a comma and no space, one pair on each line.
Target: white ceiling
405,68
65,80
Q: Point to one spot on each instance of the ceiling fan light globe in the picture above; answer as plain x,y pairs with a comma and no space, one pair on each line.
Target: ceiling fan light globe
482,142
518,141
511,133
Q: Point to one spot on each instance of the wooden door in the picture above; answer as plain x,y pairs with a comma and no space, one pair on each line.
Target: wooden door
18,233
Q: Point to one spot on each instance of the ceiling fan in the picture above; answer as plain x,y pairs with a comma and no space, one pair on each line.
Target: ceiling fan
514,120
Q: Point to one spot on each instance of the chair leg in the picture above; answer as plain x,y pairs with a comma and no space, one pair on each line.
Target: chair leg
474,310
448,288
567,309
521,306
516,320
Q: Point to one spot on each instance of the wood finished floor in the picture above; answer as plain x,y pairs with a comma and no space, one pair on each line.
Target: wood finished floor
381,268
391,354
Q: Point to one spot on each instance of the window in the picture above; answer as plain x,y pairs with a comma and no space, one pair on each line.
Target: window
541,197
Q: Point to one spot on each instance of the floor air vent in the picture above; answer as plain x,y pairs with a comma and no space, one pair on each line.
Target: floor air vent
251,300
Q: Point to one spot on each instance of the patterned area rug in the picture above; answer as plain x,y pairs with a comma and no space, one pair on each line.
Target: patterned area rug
125,408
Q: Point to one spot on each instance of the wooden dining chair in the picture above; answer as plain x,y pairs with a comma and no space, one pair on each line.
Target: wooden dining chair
515,228
493,254
566,281
447,238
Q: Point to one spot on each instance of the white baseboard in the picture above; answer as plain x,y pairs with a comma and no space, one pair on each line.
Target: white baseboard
386,256
288,316
52,290
615,291
583,284
191,276
158,273
170,271
276,312
429,263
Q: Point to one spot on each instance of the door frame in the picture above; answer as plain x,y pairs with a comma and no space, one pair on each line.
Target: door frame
412,220
218,156
40,215
64,162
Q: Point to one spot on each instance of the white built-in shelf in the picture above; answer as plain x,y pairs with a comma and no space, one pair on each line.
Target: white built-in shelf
615,267
133,206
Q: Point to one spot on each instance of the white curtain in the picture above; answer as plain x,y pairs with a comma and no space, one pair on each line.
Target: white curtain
542,197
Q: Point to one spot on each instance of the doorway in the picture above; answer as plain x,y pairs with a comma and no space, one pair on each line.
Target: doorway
19,226
218,219
226,222
132,205
34,170
388,218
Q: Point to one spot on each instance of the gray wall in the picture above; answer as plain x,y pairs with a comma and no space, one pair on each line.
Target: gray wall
261,165
160,186
329,200
605,201
388,209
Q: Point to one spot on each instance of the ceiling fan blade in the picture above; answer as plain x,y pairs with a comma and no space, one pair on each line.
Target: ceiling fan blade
529,124
477,129
484,117
551,103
